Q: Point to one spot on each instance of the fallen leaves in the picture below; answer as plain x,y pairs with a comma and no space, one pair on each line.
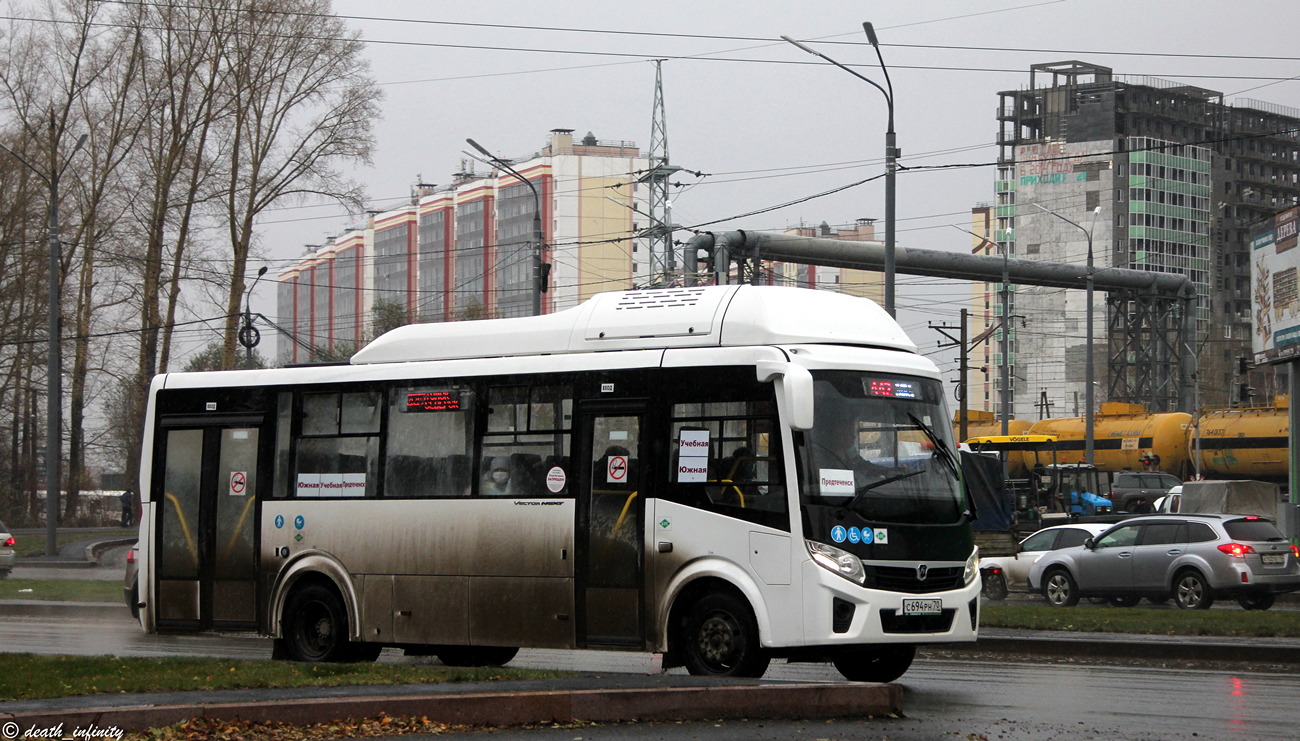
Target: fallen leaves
212,729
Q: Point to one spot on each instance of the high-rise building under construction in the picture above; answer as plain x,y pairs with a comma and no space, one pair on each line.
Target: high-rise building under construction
1149,175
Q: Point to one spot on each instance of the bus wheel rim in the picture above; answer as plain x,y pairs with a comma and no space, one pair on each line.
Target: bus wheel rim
719,638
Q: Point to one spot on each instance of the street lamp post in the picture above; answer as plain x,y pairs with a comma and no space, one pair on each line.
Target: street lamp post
54,363
891,173
891,153
537,224
248,334
1088,350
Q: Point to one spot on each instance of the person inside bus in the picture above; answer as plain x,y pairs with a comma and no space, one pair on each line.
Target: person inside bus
496,482
739,466
840,447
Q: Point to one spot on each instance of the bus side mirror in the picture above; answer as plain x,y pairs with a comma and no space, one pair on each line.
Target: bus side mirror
794,390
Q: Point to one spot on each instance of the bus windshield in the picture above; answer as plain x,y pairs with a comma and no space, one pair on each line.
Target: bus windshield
881,446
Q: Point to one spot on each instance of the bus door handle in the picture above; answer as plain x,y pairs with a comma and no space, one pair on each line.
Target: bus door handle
403,613
665,546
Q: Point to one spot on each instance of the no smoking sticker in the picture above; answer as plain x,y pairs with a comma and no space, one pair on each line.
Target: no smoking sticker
616,470
238,483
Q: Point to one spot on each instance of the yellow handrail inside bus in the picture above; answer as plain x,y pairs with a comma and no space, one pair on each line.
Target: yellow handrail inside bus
185,529
740,494
239,524
735,488
622,515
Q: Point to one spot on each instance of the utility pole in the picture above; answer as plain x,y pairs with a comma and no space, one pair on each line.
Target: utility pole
1004,305
1044,406
962,367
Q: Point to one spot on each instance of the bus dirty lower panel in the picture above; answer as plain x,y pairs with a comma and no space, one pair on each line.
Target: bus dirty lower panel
514,611
613,617
430,609
376,595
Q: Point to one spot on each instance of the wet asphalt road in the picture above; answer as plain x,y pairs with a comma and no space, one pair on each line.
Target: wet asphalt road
998,698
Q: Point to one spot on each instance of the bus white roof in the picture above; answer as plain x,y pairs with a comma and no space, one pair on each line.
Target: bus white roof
703,316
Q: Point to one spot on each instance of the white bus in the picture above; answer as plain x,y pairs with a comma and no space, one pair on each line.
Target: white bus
722,474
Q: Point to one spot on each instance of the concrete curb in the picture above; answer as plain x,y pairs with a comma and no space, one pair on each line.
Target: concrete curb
511,708
1155,648
96,550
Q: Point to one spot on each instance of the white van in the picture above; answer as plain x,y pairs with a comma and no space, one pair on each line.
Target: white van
1170,501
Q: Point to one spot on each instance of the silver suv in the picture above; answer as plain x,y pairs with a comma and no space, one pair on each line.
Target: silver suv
1191,558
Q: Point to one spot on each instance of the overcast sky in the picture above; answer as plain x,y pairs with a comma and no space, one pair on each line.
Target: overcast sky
768,123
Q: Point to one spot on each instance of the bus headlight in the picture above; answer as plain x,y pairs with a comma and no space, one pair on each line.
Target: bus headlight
839,561
972,567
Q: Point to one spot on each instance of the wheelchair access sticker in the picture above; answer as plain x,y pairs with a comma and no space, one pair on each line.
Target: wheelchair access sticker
866,535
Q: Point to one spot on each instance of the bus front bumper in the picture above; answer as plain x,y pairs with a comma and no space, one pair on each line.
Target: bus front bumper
838,611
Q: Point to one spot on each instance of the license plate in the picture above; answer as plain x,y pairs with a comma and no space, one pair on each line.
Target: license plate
922,606
1274,559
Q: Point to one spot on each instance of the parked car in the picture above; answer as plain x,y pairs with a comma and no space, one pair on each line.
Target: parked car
130,582
1011,573
1137,491
1191,558
6,551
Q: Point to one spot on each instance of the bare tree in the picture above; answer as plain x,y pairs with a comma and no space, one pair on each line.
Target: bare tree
201,115
113,60
305,107
41,93
178,93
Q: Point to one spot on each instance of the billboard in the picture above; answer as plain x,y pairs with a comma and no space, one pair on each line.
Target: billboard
1275,305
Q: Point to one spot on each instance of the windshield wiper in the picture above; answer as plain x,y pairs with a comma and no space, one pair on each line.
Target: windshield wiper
939,448
887,480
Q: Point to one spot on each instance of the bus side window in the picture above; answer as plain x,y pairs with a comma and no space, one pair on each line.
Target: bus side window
741,475
529,430
430,442
337,451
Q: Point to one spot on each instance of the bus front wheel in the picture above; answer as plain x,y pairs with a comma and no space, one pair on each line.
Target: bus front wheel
876,663
315,628
720,638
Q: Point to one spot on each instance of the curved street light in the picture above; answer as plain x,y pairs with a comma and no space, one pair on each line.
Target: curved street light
891,153
1088,372
248,334
537,223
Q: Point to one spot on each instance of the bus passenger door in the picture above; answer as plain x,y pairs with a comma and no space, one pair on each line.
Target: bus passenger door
205,559
611,504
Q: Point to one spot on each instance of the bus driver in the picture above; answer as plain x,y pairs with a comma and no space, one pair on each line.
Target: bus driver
839,446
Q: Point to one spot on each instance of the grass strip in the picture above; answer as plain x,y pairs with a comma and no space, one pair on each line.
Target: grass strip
62,590
31,544
34,677
1234,622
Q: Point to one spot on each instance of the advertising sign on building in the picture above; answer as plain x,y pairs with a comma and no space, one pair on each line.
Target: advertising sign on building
1275,304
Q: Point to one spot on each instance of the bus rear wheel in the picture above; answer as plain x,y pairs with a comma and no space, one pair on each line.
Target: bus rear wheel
476,655
720,638
875,663
315,628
